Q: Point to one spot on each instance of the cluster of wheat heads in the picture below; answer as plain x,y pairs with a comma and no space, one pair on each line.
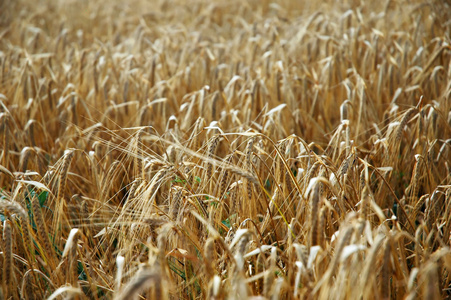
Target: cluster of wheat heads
225,149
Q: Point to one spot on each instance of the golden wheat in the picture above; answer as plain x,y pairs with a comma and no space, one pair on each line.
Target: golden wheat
225,150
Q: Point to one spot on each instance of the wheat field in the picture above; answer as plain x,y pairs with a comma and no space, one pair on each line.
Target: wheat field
200,149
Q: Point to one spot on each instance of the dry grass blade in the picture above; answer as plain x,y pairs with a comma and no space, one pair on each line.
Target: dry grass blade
65,290
8,275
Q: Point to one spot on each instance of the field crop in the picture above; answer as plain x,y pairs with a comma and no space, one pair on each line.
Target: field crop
201,149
